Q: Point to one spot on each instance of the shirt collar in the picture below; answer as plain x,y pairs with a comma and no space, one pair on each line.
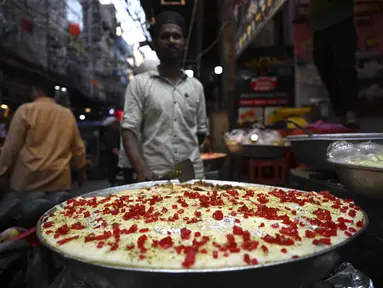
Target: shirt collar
45,99
156,73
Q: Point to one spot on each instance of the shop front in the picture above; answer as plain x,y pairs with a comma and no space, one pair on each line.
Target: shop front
286,132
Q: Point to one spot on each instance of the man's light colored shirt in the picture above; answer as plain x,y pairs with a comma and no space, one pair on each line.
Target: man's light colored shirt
166,119
41,142
123,160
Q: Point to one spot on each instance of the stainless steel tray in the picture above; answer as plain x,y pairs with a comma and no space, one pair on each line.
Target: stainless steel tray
291,273
337,137
311,150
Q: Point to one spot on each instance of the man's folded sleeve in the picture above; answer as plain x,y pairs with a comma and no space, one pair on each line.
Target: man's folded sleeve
133,109
202,126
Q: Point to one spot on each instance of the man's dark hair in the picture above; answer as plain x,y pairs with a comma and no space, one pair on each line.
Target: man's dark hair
42,83
169,17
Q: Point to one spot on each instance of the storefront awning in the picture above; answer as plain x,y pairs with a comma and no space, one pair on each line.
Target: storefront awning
251,18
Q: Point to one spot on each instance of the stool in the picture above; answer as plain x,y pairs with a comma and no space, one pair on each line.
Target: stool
268,171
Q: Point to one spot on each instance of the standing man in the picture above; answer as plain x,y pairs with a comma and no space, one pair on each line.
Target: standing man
165,108
334,54
123,160
41,141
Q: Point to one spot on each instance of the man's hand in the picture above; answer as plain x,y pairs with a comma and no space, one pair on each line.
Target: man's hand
116,151
81,177
145,174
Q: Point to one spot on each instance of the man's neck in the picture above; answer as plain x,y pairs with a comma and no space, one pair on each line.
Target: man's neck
171,71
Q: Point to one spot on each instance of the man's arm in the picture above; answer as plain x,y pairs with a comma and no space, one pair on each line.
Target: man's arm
14,141
202,128
131,126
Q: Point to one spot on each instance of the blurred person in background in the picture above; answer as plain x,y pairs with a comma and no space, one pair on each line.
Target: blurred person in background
42,139
113,136
164,119
123,160
334,54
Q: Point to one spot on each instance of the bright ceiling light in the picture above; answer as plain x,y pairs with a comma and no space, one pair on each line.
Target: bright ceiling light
88,110
189,73
111,111
57,88
4,106
218,70
82,117
63,89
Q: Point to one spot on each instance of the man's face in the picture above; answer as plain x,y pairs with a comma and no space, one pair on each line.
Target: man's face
170,43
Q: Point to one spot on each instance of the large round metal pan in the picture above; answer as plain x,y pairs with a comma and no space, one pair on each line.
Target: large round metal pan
293,273
311,150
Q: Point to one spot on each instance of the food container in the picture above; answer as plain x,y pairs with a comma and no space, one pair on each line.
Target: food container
366,181
311,150
359,167
298,272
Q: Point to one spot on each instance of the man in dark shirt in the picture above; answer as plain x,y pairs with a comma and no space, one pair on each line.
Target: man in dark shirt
334,54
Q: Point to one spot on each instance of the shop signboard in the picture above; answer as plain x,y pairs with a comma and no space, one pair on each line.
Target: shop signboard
265,80
251,16
368,24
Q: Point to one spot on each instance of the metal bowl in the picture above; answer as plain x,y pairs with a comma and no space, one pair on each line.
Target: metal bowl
289,273
367,181
311,150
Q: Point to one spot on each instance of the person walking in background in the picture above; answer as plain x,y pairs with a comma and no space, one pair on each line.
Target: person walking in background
164,108
123,160
334,54
42,139
112,148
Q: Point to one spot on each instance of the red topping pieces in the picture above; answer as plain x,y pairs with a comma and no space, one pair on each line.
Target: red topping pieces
143,230
66,240
133,229
63,230
218,215
93,237
48,224
323,214
249,261
185,234
284,250
278,239
77,226
265,249
166,242
324,241
360,224
141,242
190,258
352,213
310,234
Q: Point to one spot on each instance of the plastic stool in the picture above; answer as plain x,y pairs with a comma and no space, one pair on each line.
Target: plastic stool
268,172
